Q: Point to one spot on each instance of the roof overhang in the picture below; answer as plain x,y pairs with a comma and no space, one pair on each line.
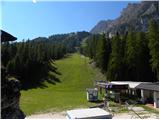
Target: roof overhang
5,37
112,86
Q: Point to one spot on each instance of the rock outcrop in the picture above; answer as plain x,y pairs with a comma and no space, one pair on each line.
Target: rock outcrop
135,16
10,95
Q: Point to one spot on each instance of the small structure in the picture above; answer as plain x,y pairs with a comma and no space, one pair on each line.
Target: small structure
92,94
131,87
148,92
112,89
89,113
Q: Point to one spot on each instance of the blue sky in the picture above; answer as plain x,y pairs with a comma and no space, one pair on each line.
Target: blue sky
28,20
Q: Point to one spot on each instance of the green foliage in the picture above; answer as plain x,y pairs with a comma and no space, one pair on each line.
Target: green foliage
92,46
102,53
116,62
70,40
5,55
131,49
98,48
28,61
153,37
129,57
143,69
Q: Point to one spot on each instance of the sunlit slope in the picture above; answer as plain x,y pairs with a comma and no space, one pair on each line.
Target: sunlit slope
70,92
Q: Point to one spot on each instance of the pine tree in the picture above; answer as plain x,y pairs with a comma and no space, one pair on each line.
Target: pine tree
143,69
102,53
153,37
5,55
115,67
131,54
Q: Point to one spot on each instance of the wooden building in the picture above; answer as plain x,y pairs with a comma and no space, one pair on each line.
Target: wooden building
147,92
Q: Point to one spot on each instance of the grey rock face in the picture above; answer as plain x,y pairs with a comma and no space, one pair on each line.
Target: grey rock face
135,16
102,26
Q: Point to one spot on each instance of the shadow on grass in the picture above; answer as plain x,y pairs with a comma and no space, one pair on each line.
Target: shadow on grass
36,79
98,101
67,56
53,78
34,85
99,104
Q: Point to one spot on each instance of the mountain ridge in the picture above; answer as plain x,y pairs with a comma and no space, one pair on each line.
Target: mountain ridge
135,15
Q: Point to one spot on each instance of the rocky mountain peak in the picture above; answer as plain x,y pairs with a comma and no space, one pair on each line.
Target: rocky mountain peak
135,15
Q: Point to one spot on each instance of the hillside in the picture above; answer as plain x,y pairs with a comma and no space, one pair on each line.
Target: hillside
69,40
135,15
69,93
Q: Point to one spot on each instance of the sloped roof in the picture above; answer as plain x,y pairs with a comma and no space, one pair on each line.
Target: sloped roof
148,86
130,83
6,36
112,85
133,85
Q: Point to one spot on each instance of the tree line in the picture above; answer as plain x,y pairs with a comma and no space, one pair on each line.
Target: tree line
133,56
30,61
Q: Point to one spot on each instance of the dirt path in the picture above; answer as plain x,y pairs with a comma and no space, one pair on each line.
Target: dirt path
53,115
62,115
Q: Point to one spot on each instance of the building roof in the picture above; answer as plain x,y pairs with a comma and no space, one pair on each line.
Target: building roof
112,86
148,86
130,83
139,85
91,89
6,36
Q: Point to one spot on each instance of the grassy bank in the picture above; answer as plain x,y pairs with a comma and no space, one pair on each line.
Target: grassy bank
70,92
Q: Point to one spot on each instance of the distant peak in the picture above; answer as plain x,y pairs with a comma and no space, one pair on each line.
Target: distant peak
135,15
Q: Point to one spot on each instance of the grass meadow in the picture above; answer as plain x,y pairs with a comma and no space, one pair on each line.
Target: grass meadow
70,92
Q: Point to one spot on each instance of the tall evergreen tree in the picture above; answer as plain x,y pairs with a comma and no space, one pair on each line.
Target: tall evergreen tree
143,69
114,71
130,57
102,53
153,37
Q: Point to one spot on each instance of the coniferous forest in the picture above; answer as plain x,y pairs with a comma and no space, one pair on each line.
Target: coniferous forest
30,61
133,56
